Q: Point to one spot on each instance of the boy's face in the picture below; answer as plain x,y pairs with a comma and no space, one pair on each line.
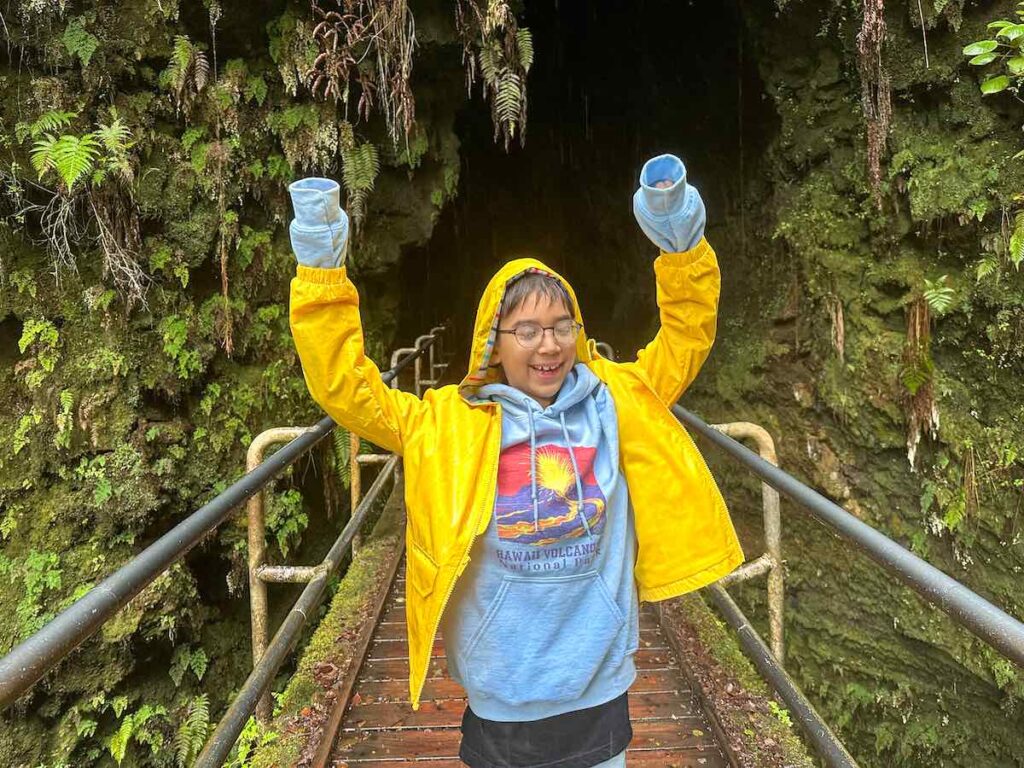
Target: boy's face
537,372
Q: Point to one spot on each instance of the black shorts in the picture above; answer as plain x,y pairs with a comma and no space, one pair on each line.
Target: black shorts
578,739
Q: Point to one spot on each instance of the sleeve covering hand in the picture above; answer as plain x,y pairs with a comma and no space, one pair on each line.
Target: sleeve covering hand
673,218
319,232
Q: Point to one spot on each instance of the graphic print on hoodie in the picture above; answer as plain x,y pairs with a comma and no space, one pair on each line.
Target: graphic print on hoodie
558,495
545,618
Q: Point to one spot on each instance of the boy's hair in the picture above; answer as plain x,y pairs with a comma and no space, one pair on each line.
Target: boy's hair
536,285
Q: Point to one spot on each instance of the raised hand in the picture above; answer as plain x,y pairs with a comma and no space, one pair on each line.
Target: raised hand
669,210
319,231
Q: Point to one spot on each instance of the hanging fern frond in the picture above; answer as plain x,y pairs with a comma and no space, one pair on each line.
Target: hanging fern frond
491,62
504,56
938,294
524,47
192,732
1017,241
508,100
343,455
360,165
187,74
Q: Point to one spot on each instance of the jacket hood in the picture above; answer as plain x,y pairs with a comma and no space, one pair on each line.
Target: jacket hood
486,325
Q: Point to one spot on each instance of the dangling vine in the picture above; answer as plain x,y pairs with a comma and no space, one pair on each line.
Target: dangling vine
876,95
347,38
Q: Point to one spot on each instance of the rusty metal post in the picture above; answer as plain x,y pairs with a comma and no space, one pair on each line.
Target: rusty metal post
355,483
771,560
418,365
258,551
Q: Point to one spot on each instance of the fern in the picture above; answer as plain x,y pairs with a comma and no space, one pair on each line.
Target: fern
192,732
187,73
71,157
118,744
360,165
343,455
524,48
491,61
938,295
986,267
50,122
1017,241
508,102
913,377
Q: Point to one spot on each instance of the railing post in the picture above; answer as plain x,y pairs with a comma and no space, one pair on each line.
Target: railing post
258,550
772,559
355,483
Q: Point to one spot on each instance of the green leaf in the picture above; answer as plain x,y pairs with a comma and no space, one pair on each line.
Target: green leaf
999,24
984,58
1015,65
80,43
995,84
1011,32
982,46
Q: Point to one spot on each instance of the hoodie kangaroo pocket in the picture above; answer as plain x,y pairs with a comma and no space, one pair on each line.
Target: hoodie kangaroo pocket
545,639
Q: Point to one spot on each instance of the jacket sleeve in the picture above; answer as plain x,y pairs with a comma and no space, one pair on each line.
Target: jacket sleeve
328,335
688,286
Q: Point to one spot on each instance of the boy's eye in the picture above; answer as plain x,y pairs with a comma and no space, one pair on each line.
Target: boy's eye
528,331
564,329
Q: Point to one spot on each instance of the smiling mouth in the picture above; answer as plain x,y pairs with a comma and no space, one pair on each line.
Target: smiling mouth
546,371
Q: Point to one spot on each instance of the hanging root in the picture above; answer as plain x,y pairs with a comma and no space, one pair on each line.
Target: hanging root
917,376
876,95
835,310
119,238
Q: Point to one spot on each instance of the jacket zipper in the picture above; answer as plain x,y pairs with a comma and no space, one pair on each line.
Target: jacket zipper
465,555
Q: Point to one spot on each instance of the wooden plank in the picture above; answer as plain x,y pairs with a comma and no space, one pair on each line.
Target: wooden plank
391,642
662,705
394,668
397,689
380,729
436,743
657,758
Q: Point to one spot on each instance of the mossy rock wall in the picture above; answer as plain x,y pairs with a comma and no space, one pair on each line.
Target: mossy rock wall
122,413
812,345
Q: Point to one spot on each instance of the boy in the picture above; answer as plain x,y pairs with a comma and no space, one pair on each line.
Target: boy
545,489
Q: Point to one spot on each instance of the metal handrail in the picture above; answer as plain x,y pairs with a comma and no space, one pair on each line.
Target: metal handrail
39,653
969,609
825,743
219,746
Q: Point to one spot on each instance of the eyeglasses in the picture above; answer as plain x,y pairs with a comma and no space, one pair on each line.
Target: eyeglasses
530,335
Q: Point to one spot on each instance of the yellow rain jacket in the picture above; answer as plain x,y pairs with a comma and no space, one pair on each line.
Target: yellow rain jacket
450,445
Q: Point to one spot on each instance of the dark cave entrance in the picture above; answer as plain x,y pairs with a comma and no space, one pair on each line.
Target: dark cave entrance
612,84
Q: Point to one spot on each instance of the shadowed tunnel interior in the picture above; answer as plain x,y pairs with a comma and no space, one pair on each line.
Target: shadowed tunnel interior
612,84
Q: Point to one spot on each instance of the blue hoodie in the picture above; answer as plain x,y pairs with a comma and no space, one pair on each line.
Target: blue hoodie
545,618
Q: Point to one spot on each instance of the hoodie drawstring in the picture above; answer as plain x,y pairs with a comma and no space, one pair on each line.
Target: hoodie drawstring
576,475
581,503
533,470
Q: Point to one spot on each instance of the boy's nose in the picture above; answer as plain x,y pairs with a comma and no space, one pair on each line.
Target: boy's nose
547,341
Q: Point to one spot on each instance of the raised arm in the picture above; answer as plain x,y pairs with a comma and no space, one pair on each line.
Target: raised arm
326,326
671,213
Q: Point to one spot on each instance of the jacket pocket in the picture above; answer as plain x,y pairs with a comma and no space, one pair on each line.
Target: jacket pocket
545,639
421,570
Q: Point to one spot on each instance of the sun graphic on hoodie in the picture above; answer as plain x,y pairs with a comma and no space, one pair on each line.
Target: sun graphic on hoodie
554,472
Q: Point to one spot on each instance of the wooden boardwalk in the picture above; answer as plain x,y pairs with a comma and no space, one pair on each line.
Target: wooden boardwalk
381,730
